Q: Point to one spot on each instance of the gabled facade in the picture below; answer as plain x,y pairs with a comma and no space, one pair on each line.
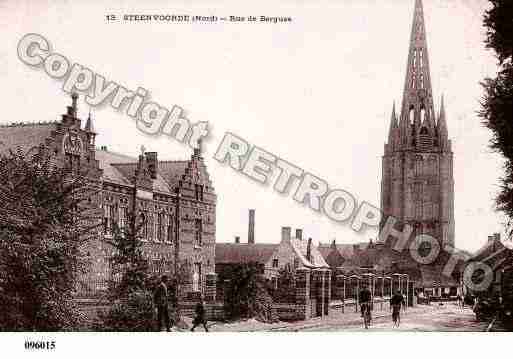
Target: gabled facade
294,253
169,196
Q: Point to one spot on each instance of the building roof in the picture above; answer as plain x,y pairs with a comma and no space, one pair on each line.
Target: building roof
24,136
120,169
492,245
316,260
232,253
347,250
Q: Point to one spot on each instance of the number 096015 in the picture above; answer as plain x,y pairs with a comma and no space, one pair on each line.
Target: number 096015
39,345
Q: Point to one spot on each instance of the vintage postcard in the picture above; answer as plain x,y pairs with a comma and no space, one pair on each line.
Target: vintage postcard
191,166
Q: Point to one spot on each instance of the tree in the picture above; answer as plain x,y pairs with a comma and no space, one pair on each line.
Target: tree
246,294
44,221
497,103
131,286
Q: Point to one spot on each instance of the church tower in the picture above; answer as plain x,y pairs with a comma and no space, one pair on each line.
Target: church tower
417,186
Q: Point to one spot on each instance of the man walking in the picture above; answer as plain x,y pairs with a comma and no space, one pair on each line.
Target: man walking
396,302
160,299
200,316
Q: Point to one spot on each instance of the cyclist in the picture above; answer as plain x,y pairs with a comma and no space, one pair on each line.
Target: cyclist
365,299
396,302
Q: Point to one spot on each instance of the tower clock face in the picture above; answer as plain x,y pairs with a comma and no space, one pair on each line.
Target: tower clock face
72,144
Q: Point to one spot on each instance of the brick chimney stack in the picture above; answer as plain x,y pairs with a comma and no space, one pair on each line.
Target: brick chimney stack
285,234
251,227
299,233
237,239
309,250
153,165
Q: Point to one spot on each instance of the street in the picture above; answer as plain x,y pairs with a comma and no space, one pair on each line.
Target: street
434,317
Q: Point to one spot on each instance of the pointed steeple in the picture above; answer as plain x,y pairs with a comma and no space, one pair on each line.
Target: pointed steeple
417,106
89,127
393,126
442,124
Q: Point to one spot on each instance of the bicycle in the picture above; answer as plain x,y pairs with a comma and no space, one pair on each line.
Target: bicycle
366,311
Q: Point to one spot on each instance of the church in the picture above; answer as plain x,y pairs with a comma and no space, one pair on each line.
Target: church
417,186
175,199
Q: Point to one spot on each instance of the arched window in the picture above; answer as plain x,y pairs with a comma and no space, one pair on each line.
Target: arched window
421,81
414,58
421,58
422,114
418,166
412,115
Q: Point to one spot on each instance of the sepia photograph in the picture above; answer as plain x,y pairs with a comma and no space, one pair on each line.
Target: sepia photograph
187,168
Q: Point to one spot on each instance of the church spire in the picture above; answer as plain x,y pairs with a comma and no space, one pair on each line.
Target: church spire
442,124
417,106
89,127
393,125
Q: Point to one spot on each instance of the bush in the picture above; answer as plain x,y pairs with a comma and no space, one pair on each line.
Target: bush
136,313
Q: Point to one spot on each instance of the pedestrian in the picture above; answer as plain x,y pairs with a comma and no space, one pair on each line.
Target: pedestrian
160,298
200,316
396,302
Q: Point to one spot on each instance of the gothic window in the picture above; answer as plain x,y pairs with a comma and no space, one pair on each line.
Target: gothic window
422,115
412,115
414,58
198,231
275,263
413,81
418,166
421,81
421,58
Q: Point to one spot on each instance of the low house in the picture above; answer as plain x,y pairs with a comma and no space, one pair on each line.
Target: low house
294,253
497,256
229,255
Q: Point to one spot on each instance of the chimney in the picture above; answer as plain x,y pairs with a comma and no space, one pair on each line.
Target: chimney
299,233
153,164
334,244
285,234
497,237
251,227
237,239
490,238
309,250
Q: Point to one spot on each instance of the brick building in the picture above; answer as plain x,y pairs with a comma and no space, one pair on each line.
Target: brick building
170,196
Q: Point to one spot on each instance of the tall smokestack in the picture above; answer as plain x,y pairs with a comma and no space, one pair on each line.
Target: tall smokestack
285,234
309,250
299,233
251,227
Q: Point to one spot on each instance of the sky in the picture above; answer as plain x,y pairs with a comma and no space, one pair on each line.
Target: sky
316,91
